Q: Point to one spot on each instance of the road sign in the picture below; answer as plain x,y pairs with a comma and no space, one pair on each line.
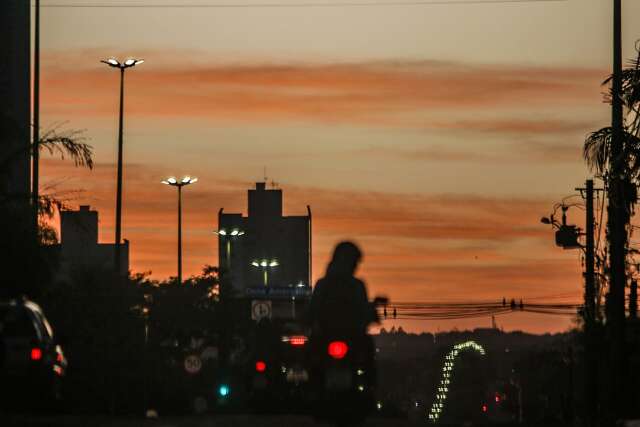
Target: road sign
260,309
192,364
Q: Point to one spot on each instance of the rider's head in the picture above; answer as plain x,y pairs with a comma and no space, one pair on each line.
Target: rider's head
346,257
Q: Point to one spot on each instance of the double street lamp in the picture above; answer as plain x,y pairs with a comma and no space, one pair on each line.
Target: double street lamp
112,62
172,181
265,265
229,235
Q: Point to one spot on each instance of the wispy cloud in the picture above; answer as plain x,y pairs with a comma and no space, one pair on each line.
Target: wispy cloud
382,93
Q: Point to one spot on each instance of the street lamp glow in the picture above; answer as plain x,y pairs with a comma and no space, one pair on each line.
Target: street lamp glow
184,181
265,264
236,232
128,63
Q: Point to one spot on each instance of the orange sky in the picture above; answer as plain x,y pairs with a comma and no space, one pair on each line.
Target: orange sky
434,137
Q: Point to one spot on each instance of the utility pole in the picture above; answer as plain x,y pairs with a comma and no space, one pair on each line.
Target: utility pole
617,234
589,314
35,178
633,300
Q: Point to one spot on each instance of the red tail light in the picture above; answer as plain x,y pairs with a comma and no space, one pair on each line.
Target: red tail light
298,340
337,349
36,353
261,366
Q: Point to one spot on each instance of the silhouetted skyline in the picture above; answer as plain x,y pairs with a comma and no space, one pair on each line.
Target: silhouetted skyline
436,149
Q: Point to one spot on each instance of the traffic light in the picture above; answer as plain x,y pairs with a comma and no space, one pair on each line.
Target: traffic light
223,390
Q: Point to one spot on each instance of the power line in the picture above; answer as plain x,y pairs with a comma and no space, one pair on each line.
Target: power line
289,5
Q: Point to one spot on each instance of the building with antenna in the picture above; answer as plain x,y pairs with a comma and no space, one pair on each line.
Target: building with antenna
265,252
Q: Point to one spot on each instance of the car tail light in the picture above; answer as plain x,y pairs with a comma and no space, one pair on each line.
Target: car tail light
36,353
261,366
337,349
298,340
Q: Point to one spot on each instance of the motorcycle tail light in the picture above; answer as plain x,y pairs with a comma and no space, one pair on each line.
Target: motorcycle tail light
261,366
36,353
337,349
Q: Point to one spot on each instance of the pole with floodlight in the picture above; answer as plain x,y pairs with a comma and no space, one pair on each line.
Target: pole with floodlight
229,235
112,62
265,265
172,181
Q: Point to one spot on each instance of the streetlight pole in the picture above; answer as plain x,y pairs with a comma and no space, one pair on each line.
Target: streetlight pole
229,235
112,62
179,184
265,264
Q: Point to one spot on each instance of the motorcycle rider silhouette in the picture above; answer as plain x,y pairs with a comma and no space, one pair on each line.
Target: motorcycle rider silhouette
342,353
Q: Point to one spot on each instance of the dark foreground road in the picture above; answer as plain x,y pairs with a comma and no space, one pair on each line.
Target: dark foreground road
201,421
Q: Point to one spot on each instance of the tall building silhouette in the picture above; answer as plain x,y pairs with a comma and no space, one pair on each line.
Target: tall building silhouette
15,98
265,249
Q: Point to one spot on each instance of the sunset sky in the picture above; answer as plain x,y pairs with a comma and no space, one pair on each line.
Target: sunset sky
435,136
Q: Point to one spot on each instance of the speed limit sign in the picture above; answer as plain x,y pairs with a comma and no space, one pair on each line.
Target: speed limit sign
260,309
192,364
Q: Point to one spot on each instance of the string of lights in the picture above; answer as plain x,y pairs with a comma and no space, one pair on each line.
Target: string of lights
447,371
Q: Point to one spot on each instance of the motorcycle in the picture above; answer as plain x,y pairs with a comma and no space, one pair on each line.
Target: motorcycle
343,375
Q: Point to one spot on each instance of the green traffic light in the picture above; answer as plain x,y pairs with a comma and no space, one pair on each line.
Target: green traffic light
223,390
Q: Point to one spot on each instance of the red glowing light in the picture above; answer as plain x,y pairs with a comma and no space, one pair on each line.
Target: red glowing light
36,353
261,366
497,398
338,349
484,408
298,340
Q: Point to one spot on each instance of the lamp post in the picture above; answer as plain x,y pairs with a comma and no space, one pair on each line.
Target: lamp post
112,62
229,235
35,180
179,184
265,265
